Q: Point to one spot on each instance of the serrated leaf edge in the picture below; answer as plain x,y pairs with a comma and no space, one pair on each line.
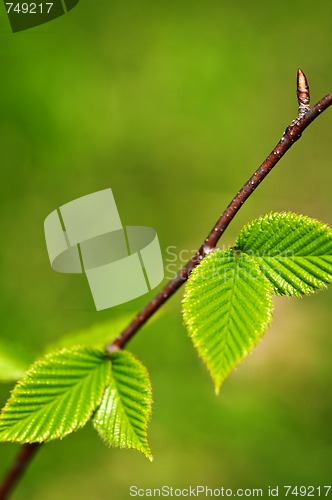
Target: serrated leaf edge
32,371
218,381
145,449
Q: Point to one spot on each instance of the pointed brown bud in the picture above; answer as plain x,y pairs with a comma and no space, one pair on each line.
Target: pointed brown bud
303,93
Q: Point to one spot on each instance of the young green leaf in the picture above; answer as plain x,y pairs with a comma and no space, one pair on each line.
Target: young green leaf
227,307
293,251
56,396
123,416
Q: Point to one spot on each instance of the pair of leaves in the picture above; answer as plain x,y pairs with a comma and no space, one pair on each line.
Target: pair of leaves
227,307
227,304
63,390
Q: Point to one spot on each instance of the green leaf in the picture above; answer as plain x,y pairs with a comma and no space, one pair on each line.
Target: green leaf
123,416
293,251
56,396
227,307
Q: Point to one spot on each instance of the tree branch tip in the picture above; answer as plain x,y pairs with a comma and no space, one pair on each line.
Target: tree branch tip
303,92
302,79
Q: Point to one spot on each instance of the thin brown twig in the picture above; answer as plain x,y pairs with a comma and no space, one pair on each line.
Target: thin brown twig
306,115
22,460
293,132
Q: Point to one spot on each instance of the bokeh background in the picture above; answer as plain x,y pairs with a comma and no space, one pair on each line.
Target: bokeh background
172,105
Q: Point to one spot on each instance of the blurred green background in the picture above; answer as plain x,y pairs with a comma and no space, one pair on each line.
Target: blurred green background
172,105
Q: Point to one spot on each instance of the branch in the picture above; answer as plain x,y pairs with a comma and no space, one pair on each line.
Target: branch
305,116
293,132
17,469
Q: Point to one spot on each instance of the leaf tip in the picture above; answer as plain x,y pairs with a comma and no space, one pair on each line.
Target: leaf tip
217,385
145,449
